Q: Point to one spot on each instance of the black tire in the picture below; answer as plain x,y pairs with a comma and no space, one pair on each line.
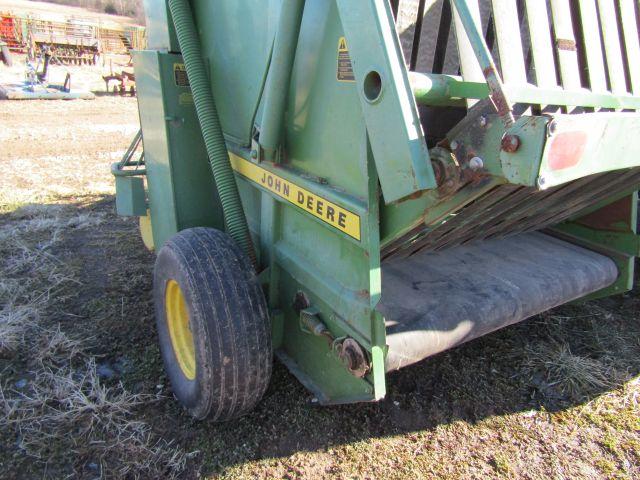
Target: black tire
228,318
5,53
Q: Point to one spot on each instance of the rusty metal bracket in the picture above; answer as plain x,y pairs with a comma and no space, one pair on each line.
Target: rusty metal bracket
350,353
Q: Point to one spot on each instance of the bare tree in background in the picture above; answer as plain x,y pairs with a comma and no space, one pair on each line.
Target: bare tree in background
128,8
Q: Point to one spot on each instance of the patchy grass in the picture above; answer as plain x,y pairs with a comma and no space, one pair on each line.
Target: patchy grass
56,403
84,393
571,374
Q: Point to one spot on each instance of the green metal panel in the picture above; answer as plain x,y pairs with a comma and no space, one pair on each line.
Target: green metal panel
522,166
323,123
388,105
612,229
236,38
342,280
130,197
180,186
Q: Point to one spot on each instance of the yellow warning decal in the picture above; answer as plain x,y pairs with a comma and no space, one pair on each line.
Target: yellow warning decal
180,75
335,215
345,68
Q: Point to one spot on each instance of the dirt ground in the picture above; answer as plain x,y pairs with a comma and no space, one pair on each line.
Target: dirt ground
83,393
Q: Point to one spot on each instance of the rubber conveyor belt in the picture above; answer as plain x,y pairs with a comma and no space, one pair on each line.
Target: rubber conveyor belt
433,301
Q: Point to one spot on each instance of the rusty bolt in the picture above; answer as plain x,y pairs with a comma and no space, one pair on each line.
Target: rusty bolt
510,143
353,357
300,302
254,154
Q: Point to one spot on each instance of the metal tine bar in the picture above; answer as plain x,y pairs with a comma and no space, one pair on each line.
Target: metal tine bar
620,182
464,216
565,44
418,232
563,212
417,33
414,234
508,217
492,214
593,46
443,38
606,184
612,48
507,25
508,227
479,205
566,215
555,206
538,20
472,31
469,66
628,16
404,250
481,191
501,228
549,201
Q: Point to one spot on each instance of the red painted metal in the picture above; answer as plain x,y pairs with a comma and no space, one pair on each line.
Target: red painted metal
566,149
8,33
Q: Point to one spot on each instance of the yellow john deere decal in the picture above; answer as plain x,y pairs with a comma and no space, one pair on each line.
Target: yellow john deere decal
335,215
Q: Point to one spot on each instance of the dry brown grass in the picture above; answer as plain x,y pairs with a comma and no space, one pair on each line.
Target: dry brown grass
88,422
63,408
572,374
598,360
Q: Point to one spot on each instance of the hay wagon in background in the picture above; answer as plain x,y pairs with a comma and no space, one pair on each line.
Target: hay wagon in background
70,40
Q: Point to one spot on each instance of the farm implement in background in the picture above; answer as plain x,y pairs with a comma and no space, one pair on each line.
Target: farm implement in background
71,41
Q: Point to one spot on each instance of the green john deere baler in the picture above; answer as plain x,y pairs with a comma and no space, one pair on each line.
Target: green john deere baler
356,186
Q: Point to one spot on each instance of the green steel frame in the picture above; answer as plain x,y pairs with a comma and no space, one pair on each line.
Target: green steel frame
338,169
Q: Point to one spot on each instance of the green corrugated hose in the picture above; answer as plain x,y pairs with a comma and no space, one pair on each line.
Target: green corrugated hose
234,218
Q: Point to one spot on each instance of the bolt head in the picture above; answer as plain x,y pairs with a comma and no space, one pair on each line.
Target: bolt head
254,154
552,127
454,144
541,182
482,121
510,143
476,163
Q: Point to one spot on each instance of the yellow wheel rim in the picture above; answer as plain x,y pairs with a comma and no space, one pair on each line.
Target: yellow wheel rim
180,329
146,232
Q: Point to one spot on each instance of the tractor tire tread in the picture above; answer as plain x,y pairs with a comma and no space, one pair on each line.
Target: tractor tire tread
228,306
